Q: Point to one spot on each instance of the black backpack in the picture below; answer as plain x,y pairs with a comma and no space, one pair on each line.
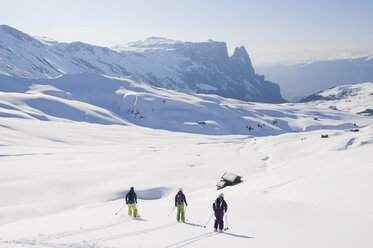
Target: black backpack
180,199
130,196
219,204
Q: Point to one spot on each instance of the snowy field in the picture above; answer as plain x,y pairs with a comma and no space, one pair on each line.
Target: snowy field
63,178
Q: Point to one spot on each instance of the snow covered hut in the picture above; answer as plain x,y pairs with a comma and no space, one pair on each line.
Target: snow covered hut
228,179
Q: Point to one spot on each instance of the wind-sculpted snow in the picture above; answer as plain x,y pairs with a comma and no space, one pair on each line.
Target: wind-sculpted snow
203,67
94,98
146,194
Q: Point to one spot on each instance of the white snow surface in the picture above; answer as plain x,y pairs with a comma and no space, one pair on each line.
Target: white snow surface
360,94
149,43
70,150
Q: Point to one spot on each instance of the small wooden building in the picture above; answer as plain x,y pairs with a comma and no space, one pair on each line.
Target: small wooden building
228,179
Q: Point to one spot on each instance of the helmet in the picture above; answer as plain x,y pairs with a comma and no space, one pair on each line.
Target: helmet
180,190
132,188
221,195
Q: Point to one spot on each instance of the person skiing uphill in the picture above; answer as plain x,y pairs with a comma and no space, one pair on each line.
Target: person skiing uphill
220,207
131,201
179,203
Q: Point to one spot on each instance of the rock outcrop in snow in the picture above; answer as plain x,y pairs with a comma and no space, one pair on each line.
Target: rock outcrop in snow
203,67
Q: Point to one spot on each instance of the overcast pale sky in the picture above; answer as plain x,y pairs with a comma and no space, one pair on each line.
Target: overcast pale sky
267,26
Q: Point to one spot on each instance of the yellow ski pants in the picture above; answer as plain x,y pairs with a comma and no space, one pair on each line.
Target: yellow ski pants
132,207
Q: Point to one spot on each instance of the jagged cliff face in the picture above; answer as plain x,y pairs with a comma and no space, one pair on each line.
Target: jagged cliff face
203,67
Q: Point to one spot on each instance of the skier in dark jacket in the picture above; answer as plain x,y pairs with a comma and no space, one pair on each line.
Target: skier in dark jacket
179,203
131,201
220,207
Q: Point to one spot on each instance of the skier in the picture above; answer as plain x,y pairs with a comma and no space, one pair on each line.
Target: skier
220,207
179,203
131,201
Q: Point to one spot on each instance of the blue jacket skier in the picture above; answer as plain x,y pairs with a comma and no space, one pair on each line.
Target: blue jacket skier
131,201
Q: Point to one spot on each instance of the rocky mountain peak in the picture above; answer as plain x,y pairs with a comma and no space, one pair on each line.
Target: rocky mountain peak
241,57
193,67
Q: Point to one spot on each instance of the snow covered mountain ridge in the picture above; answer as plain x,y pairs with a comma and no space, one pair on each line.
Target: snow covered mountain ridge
196,67
357,98
148,43
343,91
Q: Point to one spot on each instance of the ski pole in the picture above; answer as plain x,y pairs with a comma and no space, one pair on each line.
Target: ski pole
226,221
208,221
185,213
120,210
171,211
137,210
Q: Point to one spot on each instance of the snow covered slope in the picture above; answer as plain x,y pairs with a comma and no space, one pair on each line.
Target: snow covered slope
100,99
71,147
61,184
356,98
203,67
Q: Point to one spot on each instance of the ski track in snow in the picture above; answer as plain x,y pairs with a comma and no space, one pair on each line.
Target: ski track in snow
37,244
277,186
80,232
37,241
189,241
130,234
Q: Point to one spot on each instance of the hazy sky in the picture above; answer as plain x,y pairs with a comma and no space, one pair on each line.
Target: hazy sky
266,26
